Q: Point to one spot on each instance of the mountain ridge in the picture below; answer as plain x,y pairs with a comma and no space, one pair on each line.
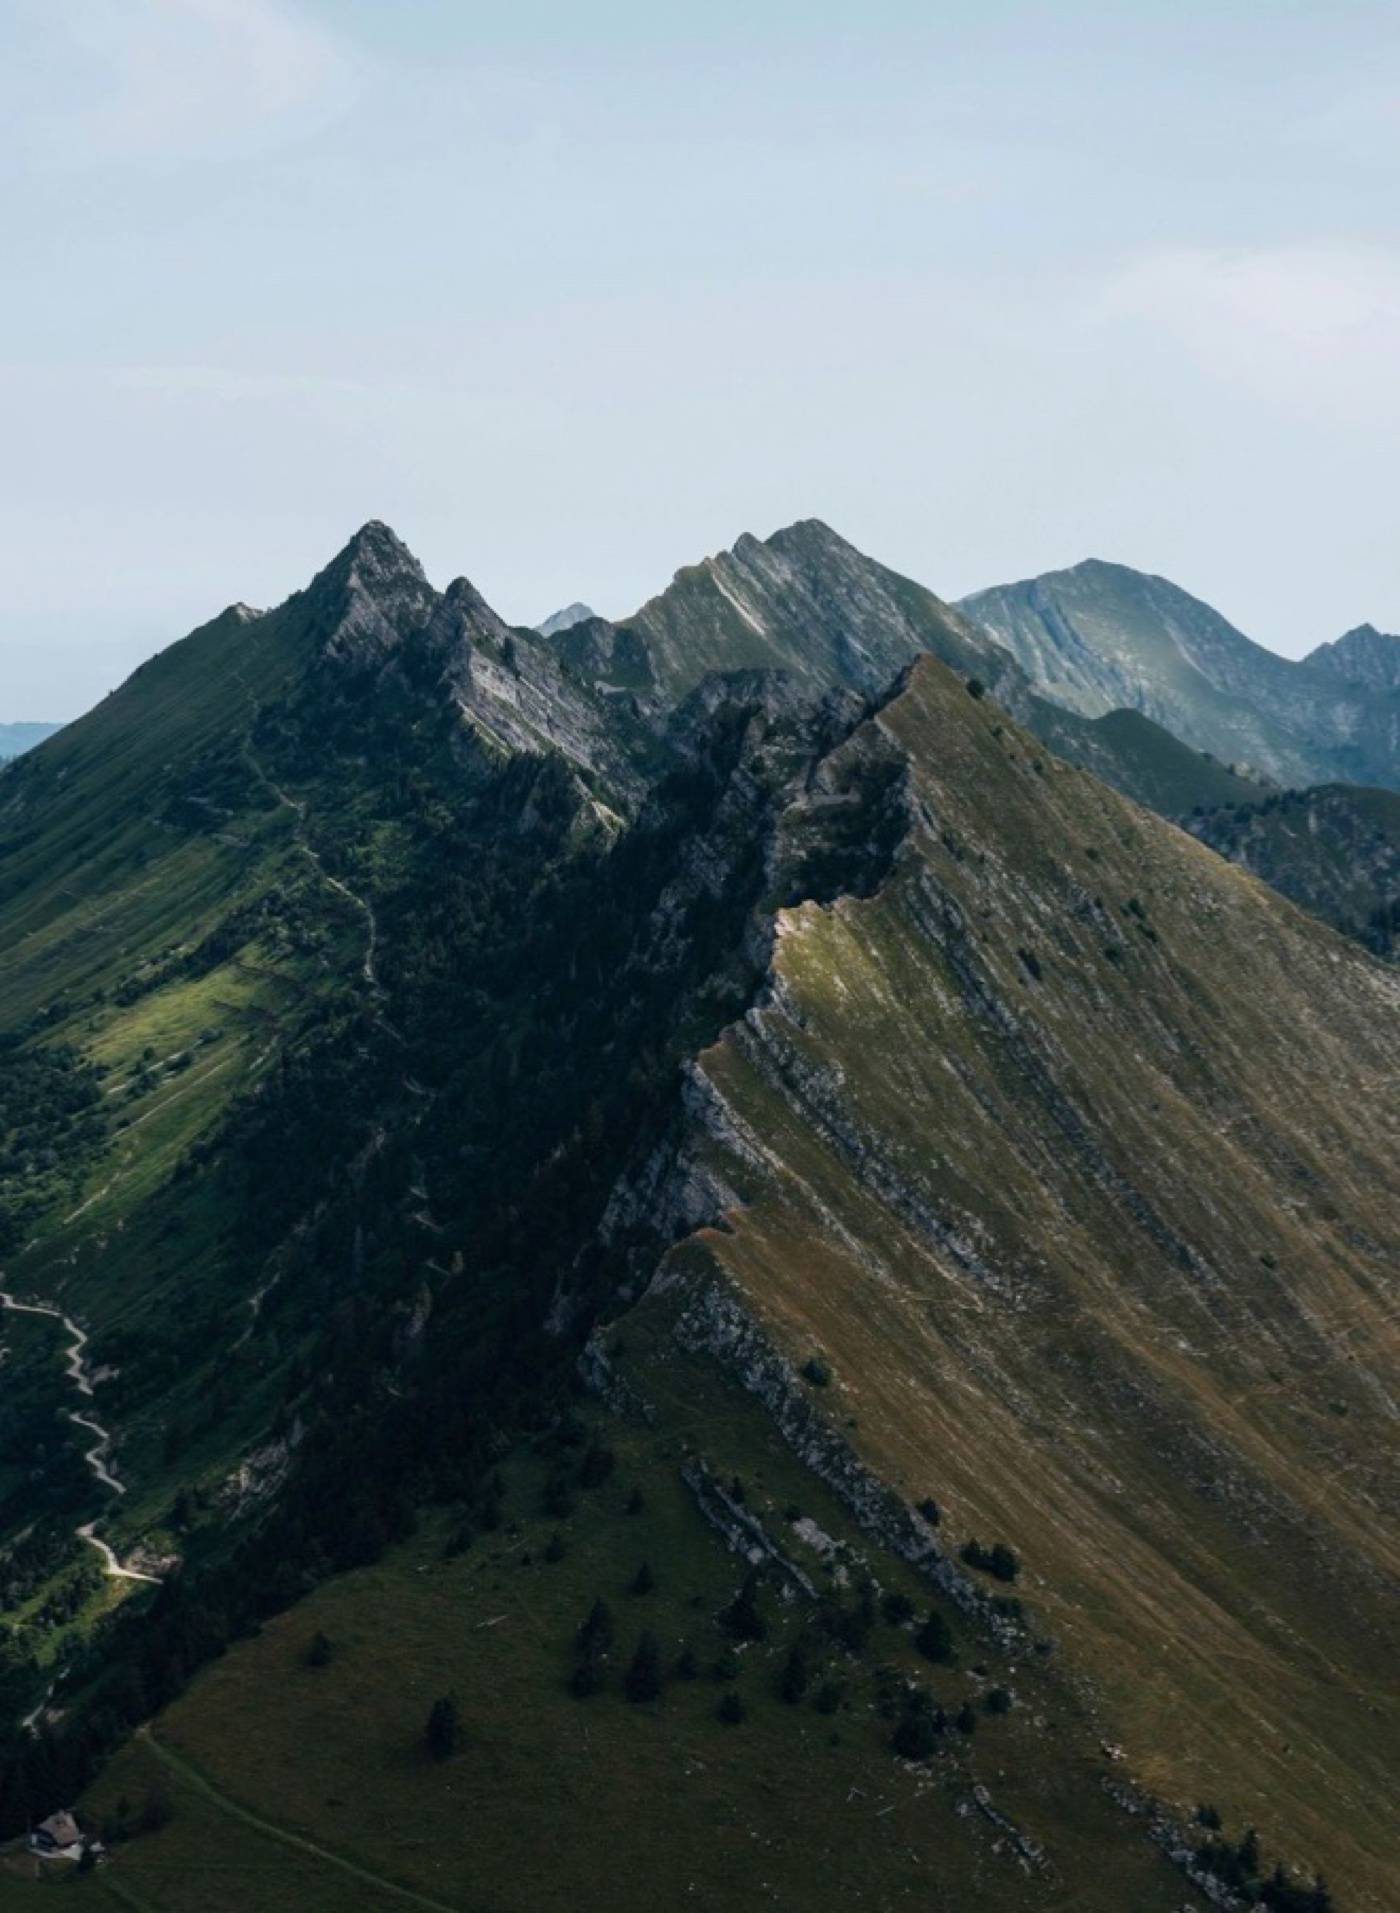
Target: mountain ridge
463,1020
1100,635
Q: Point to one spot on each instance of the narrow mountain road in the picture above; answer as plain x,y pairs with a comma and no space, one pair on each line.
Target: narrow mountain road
96,1457
193,1777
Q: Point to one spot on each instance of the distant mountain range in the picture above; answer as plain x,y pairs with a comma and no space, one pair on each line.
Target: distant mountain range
558,621
15,739
1099,637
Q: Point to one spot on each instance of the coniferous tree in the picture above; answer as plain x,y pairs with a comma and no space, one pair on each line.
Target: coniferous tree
596,1633
743,1618
796,1676
933,1640
443,1732
644,1675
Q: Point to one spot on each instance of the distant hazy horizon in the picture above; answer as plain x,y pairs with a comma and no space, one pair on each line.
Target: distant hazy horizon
574,295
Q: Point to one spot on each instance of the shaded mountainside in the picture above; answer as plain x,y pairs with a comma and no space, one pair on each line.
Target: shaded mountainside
1100,636
1334,850
506,1113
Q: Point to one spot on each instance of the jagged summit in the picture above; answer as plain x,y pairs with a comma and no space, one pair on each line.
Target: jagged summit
371,596
803,600
1362,655
373,557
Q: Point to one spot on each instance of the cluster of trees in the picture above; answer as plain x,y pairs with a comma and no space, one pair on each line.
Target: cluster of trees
1240,1866
999,1560
51,1124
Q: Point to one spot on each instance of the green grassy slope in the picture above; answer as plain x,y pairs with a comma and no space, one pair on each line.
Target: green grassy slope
633,1805
1070,1154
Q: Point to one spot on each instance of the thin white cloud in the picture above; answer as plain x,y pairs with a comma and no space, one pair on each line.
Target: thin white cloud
90,81
1308,327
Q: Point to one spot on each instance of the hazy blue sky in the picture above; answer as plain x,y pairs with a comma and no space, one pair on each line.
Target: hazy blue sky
572,293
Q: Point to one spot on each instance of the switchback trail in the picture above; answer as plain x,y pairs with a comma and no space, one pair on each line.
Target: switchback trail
96,1457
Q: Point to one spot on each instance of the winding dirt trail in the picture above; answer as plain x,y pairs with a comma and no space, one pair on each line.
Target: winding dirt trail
96,1457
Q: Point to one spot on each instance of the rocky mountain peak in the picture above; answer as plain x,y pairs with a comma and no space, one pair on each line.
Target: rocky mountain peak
1362,655
466,613
372,595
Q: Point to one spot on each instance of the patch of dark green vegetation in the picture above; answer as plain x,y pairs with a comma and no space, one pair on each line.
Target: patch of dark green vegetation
51,1126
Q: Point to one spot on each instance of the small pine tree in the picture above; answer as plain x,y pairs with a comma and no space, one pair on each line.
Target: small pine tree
929,1509
596,1633
443,1732
636,1501
643,1581
796,1676
998,1701
319,1650
743,1618
87,1859
687,1666
1003,1562
732,1710
643,1681
916,1736
897,1609
556,1550
933,1639
965,1720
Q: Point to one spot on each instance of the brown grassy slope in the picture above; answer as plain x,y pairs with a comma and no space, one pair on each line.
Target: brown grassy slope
1105,1258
